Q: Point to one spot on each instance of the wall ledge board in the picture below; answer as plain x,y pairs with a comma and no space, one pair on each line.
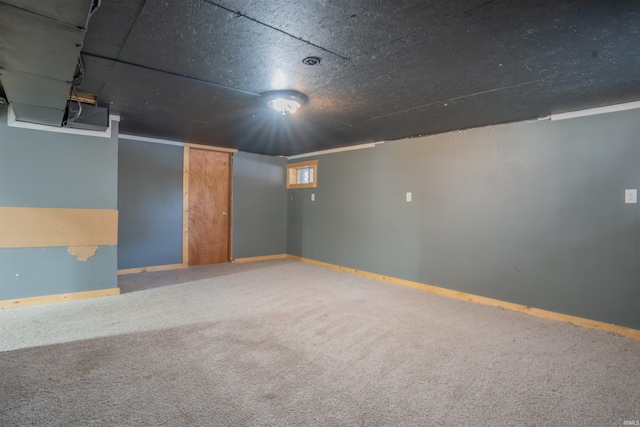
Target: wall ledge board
27,227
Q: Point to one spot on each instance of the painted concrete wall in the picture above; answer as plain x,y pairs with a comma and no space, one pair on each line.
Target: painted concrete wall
259,205
54,170
531,213
149,204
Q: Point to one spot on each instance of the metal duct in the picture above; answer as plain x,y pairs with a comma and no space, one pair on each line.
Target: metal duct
40,44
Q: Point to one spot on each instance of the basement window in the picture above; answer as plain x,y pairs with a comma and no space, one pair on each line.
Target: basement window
302,174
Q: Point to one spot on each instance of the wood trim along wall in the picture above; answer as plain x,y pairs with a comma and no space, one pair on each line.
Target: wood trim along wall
185,207
25,227
150,268
22,302
230,210
260,258
179,266
544,314
210,147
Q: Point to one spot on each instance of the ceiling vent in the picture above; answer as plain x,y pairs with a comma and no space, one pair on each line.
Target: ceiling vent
311,60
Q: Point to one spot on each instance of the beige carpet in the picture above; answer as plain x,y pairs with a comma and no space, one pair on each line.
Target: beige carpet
283,343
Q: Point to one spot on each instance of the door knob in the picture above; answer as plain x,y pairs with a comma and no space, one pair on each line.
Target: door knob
224,213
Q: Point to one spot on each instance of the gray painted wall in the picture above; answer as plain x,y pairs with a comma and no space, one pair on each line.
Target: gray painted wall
30,272
55,170
149,204
259,205
531,213
48,169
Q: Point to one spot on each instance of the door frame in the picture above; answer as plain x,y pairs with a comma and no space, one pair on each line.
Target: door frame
185,197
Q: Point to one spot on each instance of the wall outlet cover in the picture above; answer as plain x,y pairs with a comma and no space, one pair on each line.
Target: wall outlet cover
631,196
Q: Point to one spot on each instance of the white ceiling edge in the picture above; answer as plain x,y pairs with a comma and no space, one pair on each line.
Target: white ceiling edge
593,111
12,122
297,156
147,139
336,150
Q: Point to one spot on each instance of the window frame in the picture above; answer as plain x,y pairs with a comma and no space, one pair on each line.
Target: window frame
292,174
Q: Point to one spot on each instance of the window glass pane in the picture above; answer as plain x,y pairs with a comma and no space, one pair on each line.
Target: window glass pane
303,176
310,174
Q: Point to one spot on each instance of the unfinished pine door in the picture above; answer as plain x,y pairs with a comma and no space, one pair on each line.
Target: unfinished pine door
209,215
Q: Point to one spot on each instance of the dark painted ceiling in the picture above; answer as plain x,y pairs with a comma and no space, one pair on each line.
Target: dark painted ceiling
193,70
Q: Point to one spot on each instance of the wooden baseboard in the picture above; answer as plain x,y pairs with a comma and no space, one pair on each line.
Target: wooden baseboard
260,258
544,314
46,299
152,268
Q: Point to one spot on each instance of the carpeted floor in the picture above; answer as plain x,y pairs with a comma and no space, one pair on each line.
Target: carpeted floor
283,343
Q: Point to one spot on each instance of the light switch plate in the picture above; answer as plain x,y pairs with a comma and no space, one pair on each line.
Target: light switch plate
408,196
313,197
631,196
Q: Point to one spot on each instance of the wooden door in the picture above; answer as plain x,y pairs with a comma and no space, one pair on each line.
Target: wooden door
209,213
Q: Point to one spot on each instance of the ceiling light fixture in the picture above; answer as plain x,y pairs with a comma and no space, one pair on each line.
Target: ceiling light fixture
285,101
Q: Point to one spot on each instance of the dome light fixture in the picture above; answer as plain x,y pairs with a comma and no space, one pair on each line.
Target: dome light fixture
285,101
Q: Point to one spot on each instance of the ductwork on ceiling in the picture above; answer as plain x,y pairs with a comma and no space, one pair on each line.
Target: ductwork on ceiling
40,44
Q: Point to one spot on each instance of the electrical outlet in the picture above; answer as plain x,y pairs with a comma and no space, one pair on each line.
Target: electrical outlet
631,196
